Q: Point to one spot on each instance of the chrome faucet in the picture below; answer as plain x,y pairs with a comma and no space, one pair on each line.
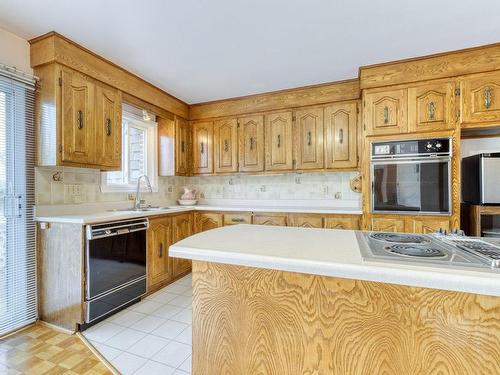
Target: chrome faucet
137,203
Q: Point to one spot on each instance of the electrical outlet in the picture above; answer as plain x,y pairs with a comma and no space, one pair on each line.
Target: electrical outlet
338,195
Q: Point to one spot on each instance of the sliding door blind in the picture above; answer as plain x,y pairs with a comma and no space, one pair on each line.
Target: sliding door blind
18,292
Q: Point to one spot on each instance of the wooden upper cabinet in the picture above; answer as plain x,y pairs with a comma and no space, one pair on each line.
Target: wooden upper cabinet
182,228
159,240
251,143
481,99
108,127
393,224
182,146
431,107
341,135
206,220
78,118
279,140
385,112
226,146
203,134
308,131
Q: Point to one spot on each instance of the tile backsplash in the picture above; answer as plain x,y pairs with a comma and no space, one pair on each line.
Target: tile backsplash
55,186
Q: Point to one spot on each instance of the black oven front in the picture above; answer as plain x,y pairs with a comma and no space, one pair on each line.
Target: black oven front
411,177
115,265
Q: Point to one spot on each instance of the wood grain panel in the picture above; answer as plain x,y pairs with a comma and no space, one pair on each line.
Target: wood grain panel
203,137
60,275
278,100
207,220
350,222
182,228
251,143
53,47
254,321
182,147
226,146
270,219
305,220
308,138
279,141
443,65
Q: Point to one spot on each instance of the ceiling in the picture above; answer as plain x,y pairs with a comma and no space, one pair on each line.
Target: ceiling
203,50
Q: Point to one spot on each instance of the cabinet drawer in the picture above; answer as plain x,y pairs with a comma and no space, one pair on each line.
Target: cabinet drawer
305,221
342,222
231,219
270,219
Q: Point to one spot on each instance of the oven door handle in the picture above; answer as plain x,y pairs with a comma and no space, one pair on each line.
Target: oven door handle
445,159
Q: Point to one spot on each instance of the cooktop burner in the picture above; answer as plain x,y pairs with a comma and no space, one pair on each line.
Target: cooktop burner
415,251
401,238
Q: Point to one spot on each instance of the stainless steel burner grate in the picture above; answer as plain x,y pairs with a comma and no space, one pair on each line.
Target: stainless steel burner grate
399,238
415,251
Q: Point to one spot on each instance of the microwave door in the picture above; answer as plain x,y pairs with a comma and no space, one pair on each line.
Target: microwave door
490,180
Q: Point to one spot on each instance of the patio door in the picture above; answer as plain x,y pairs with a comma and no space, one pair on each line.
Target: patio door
18,294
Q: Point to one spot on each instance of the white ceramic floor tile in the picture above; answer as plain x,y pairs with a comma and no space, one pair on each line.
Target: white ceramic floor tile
162,297
155,368
148,346
167,311
102,332
125,339
186,336
177,288
180,372
170,329
146,307
128,363
174,354
185,316
148,324
127,317
186,365
107,351
182,301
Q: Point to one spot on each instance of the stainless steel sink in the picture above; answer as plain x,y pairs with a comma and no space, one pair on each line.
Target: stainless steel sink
142,209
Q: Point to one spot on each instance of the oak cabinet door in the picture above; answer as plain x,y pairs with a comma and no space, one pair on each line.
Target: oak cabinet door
431,107
270,219
341,135
226,145
237,218
207,220
342,222
308,131
182,228
396,224
78,118
182,146
159,240
386,112
278,140
203,133
251,143
481,99
108,128
305,221
427,225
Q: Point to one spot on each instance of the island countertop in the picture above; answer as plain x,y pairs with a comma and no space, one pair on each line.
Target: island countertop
325,252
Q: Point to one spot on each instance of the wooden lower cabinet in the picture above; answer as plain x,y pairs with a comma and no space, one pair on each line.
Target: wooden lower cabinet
349,222
182,228
270,219
206,220
159,267
305,221
410,224
237,218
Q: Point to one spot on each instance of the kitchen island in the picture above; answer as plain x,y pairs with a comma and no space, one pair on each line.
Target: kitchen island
276,300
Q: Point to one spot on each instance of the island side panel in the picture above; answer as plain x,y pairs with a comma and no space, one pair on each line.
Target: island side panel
258,321
60,274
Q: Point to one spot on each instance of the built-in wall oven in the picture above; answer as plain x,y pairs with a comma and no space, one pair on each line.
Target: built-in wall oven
115,266
411,176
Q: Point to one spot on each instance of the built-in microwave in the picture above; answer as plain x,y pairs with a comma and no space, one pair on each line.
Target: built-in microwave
481,179
412,176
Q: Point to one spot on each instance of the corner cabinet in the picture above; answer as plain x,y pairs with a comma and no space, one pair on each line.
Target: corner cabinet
203,134
84,117
159,267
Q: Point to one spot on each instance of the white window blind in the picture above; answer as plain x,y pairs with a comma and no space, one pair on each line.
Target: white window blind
18,293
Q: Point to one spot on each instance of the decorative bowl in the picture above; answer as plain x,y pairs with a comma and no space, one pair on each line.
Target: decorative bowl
187,202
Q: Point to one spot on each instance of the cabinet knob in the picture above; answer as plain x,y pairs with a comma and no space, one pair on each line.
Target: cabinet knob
279,140
160,250
108,127
251,143
341,136
79,119
309,138
431,110
226,145
182,146
488,97
386,115
202,148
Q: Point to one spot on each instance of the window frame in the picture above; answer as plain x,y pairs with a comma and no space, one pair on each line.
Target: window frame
151,157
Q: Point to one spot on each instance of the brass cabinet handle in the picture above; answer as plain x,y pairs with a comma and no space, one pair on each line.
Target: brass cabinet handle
226,145
431,109
309,138
341,136
279,140
79,119
237,220
386,115
182,146
108,127
202,148
160,250
488,97
251,143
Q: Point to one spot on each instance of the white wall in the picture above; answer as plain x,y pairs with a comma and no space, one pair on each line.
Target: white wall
475,146
14,51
